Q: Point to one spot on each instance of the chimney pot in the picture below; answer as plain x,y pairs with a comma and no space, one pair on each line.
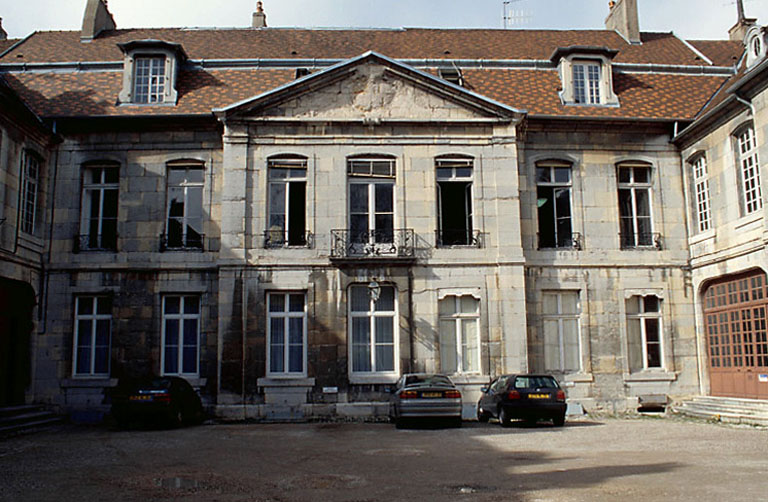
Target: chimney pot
96,19
3,34
259,17
623,19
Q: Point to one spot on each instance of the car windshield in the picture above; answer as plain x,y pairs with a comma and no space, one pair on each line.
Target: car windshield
425,380
535,382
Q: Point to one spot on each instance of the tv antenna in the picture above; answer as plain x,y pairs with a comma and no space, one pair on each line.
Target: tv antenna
512,16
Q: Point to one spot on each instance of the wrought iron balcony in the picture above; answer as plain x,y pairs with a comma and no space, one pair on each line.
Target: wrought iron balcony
459,238
642,241
373,244
95,242
572,241
278,239
176,242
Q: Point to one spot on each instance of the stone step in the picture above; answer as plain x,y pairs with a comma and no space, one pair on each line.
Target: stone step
731,410
10,411
15,419
30,425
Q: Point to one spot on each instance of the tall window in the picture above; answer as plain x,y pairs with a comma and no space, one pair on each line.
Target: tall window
459,334
562,350
287,202
373,327
749,169
93,328
553,192
635,205
30,189
185,207
98,221
701,188
371,202
586,83
181,335
149,79
454,190
287,324
644,332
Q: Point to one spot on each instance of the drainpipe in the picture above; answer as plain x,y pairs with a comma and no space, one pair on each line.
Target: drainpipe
411,324
746,103
243,321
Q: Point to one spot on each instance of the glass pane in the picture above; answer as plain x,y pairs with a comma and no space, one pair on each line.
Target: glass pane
171,332
444,173
276,302
93,175
295,359
634,341
654,355
625,174
85,306
463,172
191,305
386,301
276,358
190,332
296,303
448,354
103,327
278,174
171,359
172,304
551,345
176,176
384,228
83,361
384,198
447,306
643,203
361,348
277,331
543,175
563,202
642,175
358,198
84,330
383,168
195,203
358,227
385,358
110,204
562,175
111,175
277,198
101,360
651,303
651,330
470,346
570,302
94,203
469,304
550,303
571,345
360,300
385,330
189,364
633,304
296,331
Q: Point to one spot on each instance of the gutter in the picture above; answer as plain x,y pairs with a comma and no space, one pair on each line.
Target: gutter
746,103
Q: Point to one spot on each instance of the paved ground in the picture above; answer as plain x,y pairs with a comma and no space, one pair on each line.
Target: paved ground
589,460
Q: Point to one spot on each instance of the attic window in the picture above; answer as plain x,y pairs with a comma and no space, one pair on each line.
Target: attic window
302,72
756,45
149,79
452,75
150,69
586,75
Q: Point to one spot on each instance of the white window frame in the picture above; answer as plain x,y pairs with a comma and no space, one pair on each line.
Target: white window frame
277,237
643,316
749,170
185,218
634,187
701,193
94,317
149,75
557,186
102,187
459,318
371,314
30,191
454,163
586,87
181,316
371,171
560,317
286,315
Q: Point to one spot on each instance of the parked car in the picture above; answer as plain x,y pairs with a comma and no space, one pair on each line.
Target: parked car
527,397
425,396
169,400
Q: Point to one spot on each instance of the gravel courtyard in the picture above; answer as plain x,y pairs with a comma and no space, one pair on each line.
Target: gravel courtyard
588,460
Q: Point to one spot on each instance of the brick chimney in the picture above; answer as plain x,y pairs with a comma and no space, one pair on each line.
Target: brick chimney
742,26
3,34
623,19
259,18
95,20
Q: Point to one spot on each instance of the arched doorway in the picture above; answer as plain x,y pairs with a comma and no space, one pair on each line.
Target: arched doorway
17,300
737,344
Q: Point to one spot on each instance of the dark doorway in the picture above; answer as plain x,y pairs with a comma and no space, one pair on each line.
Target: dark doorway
17,299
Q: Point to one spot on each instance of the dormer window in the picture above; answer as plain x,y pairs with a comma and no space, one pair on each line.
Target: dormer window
755,42
586,75
452,75
150,71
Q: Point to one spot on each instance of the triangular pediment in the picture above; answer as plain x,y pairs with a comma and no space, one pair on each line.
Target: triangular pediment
371,88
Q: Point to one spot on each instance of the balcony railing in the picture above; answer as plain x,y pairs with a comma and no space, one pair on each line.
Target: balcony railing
574,241
397,243
189,242
278,239
94,242
459,238
642,241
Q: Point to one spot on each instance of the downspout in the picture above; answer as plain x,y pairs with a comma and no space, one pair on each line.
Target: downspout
746,103
411,324
45,274
243,321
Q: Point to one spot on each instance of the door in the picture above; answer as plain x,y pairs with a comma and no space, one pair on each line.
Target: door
16,303
737,344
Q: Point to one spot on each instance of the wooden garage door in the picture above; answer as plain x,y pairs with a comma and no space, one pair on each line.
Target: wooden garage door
735,322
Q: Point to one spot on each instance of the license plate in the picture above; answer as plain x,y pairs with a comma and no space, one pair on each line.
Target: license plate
538,396
431,394
140,398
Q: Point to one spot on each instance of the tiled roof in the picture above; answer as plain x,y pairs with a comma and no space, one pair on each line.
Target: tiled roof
721,52
646,96
7,44
418,43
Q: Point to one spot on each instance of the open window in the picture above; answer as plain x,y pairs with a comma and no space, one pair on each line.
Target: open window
371,182
454,193
98,218
553,200
287,220
184,225
636,221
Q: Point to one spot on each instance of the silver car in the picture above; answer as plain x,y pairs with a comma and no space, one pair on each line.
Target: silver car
425,396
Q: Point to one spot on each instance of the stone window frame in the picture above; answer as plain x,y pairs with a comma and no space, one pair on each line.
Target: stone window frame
85,237
560,317
568,58
745,149
181,316
94,317
374,375
286,314
174,57
458,318
700,191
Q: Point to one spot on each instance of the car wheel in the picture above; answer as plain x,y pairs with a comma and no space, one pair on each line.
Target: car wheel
504,418
482,416
559,421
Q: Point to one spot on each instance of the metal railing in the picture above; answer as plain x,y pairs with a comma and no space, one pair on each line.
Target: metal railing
278,239
95,242
574,241
387,243
190,242
642,240
459,238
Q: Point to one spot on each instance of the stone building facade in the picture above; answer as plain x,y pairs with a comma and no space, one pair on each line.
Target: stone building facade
291,219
